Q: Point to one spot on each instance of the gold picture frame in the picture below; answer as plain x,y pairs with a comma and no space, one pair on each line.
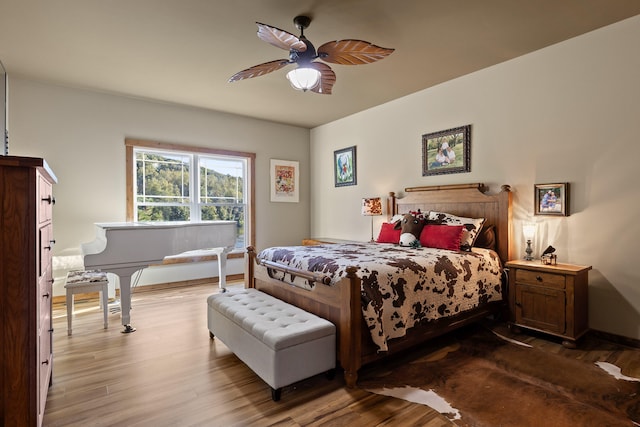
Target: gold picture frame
551,199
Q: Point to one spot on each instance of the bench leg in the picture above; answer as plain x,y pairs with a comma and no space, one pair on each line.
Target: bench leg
275,394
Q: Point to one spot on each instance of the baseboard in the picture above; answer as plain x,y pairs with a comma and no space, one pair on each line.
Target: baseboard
618,339
61,299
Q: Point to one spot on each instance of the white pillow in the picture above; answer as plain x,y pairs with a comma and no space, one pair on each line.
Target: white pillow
472,226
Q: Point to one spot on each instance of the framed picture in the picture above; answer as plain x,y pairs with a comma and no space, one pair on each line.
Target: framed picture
447,151
285,175
552,199
344,166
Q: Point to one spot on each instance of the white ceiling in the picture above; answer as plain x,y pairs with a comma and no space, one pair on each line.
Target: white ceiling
184,51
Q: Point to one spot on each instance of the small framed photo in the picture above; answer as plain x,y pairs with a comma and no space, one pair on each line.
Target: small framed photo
552,199
344,166
447,151
285,176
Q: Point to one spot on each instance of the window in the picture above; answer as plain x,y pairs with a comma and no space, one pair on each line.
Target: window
170,182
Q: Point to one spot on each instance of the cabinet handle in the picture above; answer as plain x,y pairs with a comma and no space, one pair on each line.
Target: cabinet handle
49,199
518,304
51,330
539,279
45,295
46,362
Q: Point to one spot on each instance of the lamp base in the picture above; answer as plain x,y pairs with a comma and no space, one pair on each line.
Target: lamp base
528,251
372,239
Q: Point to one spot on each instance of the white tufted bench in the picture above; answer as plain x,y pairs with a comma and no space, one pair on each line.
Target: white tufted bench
281,343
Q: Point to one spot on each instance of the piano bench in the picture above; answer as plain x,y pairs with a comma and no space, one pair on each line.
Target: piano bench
82,282
281,343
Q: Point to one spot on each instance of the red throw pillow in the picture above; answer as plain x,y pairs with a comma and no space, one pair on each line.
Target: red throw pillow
388,234
441,236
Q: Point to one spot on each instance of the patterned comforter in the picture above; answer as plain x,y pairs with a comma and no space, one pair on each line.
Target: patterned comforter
401,286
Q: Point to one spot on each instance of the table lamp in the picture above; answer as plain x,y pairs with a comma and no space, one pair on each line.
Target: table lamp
372,206
528,231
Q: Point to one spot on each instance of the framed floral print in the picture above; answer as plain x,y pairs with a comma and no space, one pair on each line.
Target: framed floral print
284,181
344,166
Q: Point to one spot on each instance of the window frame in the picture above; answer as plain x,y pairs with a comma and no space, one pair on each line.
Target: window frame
130,162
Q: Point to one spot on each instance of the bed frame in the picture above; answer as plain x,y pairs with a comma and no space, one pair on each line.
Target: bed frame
341,302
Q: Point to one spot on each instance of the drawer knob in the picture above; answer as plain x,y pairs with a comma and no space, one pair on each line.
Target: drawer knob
539,278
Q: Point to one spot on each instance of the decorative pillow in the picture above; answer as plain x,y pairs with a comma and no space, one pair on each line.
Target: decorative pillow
411,226
472,226
442,236
486,238
388,234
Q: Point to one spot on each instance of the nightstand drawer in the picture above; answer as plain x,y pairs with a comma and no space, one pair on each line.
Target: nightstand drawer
541,279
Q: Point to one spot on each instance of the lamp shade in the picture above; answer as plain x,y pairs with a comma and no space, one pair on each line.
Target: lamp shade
303,78
371,206
529,230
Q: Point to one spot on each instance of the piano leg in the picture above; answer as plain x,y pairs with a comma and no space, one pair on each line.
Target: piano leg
222,267
125,303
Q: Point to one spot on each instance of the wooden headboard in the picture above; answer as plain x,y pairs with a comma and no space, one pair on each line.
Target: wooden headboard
467,200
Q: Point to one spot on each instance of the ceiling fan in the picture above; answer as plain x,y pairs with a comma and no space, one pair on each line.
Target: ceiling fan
311,74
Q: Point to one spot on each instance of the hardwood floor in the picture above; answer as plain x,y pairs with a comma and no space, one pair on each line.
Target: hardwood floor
169,373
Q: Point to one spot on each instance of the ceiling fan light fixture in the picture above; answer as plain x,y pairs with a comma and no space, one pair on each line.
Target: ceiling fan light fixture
303,78
310,74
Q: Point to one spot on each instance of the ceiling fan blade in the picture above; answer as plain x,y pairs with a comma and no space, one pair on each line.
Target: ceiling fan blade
259,70
327,78
352,52
280,38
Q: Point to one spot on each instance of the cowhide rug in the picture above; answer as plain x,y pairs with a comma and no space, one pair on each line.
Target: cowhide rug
479,377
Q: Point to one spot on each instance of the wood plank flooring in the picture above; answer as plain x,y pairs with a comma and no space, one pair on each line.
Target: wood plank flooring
169,373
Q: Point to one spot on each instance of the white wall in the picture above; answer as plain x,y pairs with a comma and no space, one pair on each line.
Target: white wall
567,113
81,135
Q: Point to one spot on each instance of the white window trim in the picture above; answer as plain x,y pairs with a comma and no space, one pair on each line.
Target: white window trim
195,152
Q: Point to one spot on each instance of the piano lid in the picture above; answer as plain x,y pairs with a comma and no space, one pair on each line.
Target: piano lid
140,243
159,224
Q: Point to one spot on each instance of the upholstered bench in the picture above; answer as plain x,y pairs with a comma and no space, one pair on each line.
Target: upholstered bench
281,343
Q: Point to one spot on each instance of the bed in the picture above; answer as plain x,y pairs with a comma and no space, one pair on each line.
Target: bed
335,291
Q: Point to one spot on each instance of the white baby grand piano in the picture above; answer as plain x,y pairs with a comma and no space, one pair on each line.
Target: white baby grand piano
126,247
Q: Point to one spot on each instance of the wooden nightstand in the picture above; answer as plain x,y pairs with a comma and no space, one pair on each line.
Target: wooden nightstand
550,298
